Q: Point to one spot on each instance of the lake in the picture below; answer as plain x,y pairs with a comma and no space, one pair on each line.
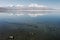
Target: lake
30,16
30,25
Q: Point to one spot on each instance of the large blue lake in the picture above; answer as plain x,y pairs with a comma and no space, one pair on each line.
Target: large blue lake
53,17
46,23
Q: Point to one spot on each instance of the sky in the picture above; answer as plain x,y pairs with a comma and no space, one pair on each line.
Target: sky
49,3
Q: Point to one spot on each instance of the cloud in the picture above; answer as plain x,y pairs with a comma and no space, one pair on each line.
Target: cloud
19,5
30,5
15,5
36,5
10,5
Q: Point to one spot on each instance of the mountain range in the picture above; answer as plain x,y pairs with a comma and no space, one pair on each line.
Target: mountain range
25,8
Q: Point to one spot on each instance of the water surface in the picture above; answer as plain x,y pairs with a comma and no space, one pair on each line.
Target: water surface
44,24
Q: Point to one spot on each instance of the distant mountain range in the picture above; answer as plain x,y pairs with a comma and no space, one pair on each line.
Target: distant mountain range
31,7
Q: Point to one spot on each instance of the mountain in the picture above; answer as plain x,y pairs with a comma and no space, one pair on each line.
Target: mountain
22,8
3,9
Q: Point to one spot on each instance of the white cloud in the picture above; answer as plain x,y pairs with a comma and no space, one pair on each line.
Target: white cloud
36,5
10,5
30,5
15,5
19,5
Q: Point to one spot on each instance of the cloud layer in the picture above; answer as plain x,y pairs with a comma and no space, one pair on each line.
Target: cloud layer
36,5
30,5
